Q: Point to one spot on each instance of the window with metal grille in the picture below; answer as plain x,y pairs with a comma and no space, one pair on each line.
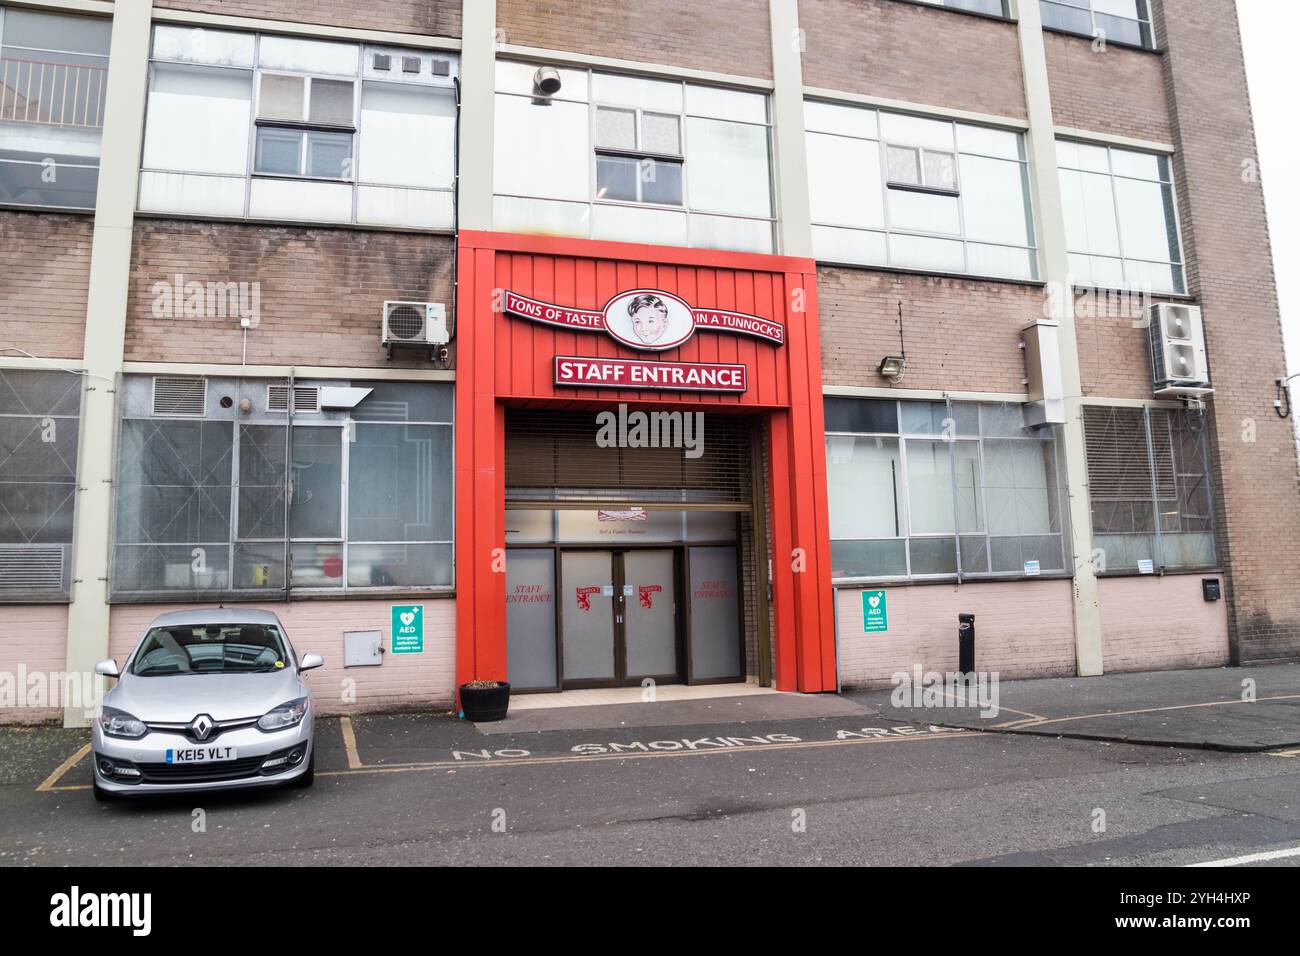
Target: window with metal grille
40,418
935,490
1150,490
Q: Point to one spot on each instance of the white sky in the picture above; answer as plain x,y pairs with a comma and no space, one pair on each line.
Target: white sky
1268,32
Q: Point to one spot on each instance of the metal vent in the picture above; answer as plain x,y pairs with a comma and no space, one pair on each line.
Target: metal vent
28,568
406,322
306,398
383,61
173,395
410,64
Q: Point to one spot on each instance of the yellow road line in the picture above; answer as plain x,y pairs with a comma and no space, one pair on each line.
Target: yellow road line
48,783
1285,753
350,743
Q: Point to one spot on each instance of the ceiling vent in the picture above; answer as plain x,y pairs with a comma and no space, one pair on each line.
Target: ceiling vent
306,398
175,396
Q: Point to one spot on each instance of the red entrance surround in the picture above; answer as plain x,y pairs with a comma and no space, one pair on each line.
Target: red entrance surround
504,359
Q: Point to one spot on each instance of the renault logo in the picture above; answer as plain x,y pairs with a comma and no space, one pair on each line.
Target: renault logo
201,726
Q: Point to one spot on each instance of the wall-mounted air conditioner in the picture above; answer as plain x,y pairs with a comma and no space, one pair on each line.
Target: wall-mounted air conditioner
1177,340
422,324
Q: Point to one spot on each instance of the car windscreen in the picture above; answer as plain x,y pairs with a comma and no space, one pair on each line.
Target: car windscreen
210,649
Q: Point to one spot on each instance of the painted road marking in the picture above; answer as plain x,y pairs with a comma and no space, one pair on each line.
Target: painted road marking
350,743
1285,753
1021,724
1251,858
49,782
573,758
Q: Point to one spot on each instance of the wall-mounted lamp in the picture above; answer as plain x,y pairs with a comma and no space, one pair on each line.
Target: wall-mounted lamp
546,81
892,367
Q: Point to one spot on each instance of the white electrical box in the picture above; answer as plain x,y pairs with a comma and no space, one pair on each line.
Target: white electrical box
363,648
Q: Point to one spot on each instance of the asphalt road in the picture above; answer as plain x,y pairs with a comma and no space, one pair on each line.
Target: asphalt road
845,789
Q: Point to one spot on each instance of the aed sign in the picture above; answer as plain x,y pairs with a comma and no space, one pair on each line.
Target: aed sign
875,612
408,629
659,376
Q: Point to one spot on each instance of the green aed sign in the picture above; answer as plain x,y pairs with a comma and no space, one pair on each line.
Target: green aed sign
875,612
408,629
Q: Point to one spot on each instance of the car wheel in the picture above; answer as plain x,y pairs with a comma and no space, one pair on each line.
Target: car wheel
309,775
101,795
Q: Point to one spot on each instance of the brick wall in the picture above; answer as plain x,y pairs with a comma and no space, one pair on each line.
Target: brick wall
1114,358
1119,90
961,334
322,291
723,36
1150,624
911,52
44,277
431,17
33,645
1022,629
1230,268
403,682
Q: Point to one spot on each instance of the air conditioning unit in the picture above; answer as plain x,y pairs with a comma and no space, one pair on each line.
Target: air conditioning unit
1177,340
422,324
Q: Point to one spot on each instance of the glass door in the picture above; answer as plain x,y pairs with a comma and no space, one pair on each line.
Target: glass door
649,608
589,618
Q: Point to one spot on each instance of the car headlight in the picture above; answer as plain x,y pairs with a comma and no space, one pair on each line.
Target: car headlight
118,723
286,715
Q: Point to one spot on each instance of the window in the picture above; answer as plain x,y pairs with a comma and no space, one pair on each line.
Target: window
910,192
279,128
1123,21
336,501
53,77
1149,484
1121,218
994,8
40,416
940,490
626,158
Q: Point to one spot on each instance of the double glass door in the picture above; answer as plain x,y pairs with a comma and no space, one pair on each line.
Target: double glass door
619,613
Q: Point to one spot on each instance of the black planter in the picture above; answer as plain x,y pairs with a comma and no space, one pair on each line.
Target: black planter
482,704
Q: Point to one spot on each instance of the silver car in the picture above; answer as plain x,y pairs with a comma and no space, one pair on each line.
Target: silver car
209,700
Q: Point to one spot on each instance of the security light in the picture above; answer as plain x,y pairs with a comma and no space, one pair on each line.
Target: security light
892,367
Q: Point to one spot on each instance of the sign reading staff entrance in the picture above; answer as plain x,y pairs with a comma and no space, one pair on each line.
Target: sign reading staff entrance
408,629
875,612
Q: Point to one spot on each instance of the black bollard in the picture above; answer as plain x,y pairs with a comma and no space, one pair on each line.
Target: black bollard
966,642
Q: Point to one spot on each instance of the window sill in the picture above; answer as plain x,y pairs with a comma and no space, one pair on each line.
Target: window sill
1162,573
856,584
80,211
295,223
62,599
1122,44
278,597
1117,290
1003,18
925,190
969,277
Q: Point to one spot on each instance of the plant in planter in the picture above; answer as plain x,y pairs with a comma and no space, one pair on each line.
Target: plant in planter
484,700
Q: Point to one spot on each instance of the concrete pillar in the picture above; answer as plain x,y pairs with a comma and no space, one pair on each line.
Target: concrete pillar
789,147
110,266
1046,190
477,113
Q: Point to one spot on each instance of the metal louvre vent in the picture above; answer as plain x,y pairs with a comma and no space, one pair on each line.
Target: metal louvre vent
177,396
29,568
306,398
406,322
1118,463
555,456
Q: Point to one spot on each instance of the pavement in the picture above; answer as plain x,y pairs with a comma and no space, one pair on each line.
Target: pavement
782,780
1234,709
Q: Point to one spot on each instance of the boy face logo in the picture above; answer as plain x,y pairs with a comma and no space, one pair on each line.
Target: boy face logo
649,320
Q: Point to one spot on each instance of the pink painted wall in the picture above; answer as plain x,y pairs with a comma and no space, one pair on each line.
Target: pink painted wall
1161,623
33,640
1023,629
402,682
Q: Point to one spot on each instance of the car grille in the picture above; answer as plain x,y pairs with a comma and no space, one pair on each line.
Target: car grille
201,773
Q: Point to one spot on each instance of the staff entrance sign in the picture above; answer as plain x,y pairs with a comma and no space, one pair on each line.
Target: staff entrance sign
408,629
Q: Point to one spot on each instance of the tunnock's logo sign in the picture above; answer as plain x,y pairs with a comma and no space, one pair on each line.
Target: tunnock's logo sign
648,320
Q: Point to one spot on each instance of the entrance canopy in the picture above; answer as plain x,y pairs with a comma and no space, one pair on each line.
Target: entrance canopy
576,325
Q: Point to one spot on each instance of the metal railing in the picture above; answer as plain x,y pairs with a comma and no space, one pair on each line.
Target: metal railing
52,94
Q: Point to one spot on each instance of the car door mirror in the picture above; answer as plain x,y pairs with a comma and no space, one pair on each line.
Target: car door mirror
310,662
107,668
